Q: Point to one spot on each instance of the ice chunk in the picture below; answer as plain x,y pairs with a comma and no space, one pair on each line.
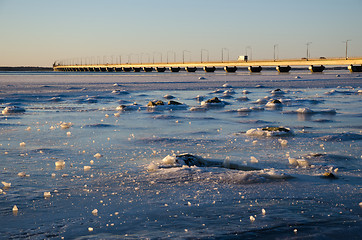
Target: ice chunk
87,168
226,85
168,96
244,109
269,131
47,195
304,111
90,229
274,104
213,102
15,209
303,163
253,159
95,212
65,125
59,164
22,174
283,142
12,110
6,184
98,155
22,144
252,218
293,161
263,211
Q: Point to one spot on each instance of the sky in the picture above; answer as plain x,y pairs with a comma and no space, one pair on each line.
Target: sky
39,32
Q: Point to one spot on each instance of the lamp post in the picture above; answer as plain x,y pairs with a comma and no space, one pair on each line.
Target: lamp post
204,50
275,46
174,55
153,56
222,54
251,52
308,53
347,47
183,55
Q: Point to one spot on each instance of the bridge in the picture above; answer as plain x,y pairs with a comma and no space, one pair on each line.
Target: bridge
314,65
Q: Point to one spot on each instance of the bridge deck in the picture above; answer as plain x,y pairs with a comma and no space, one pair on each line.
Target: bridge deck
301,62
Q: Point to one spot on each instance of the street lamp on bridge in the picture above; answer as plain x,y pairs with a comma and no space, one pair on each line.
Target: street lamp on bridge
276,46
204,50
308,53
183,55
222,54
347,47
251,52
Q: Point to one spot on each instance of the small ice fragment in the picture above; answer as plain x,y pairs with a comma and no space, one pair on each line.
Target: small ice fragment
360,204
22,144
263,211
87,168
6,184
293,161
22,174
15,209
252,219
60,163
65,125
117,114
106,115
255,142
303,163
90,229
297,77
188,204
91,162
53,175
283,142
295,230
202,78
47,195
28,129
95,212
253,159
226,85
69,133
1,191
98,155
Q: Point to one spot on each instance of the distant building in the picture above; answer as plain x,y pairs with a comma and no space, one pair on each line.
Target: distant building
243,58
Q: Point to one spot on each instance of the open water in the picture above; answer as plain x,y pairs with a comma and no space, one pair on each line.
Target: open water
114,183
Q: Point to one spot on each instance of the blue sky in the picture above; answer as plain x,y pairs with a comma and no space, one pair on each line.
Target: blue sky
37,32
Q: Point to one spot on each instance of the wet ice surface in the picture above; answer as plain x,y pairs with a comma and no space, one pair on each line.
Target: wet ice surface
72,152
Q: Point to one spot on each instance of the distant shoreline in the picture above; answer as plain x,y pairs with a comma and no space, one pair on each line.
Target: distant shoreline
22,69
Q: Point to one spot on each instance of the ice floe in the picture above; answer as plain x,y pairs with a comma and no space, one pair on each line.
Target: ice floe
130,107
188,167
213,103
269,131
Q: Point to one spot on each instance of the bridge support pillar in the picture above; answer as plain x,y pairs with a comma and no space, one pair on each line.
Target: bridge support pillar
160,69
316,69
352,68
283,69
209,69
175,69
191,69
253,69
230,69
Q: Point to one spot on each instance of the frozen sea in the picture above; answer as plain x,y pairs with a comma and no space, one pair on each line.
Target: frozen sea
115,181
